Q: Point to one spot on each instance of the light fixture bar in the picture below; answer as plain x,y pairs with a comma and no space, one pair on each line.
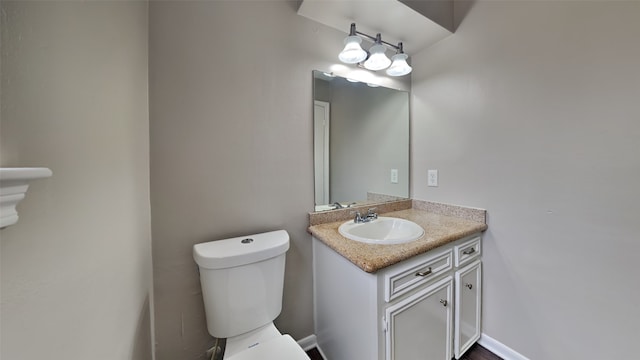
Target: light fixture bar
377,38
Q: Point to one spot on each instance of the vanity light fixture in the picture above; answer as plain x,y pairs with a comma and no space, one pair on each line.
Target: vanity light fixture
399,66
375,59
352,52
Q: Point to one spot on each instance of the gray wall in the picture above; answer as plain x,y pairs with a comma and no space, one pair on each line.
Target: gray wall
521,110
76,268
531,111
231,148
321,90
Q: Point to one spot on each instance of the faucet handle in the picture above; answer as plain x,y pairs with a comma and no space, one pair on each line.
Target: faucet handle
371,214
358,218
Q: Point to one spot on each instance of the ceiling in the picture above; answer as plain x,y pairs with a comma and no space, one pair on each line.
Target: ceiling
395,20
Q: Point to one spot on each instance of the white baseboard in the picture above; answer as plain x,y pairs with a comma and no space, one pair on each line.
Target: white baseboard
499,348
308,342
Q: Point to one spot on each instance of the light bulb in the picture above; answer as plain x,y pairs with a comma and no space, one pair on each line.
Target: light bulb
352,52
399,66
377,60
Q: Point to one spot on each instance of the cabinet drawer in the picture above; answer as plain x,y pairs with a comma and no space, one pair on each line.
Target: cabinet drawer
467,251
416,274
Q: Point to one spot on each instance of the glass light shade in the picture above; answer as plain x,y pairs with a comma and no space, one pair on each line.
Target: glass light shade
377,60
352,52
399,66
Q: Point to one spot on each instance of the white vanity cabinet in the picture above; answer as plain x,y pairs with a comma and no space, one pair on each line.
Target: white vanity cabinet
419,326
423,308
468,307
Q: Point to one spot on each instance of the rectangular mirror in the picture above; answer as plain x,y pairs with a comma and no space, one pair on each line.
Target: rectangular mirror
361,142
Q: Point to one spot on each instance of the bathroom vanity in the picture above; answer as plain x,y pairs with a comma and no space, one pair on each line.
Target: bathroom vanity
419,300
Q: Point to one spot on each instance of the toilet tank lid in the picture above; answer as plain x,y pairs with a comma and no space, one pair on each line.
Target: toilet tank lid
242,250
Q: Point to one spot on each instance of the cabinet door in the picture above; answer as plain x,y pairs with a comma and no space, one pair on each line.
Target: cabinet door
420,326
468,307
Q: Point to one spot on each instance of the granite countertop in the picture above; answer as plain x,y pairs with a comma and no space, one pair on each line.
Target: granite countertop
439,230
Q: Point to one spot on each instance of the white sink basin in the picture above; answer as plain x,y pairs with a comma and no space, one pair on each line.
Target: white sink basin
384,230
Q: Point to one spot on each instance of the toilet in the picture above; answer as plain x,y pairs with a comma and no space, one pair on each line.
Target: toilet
242,280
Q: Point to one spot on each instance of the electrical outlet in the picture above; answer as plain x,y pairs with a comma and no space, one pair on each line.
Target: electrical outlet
432,177
394,176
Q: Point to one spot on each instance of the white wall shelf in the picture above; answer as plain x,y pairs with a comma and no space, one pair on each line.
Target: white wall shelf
14,183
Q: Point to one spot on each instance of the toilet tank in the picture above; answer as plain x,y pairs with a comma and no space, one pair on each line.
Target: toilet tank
242,280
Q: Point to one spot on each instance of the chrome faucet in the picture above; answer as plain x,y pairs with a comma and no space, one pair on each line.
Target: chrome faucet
364,219
371,215
337,205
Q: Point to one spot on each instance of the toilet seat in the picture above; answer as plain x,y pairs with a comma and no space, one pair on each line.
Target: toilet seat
278,348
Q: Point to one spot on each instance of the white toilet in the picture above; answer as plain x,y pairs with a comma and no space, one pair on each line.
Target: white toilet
242,280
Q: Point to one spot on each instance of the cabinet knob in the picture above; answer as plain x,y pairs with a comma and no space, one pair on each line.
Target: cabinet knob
443,302
469,251
470,286
424,273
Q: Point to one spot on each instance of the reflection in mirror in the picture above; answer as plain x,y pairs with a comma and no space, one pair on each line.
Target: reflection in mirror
361,142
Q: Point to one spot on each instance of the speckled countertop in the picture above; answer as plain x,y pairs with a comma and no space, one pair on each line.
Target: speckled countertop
439,230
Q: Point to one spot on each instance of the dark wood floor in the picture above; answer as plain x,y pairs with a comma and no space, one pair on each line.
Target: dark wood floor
476,352
314,354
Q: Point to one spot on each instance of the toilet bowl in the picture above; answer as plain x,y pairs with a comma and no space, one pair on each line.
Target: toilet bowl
242,280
